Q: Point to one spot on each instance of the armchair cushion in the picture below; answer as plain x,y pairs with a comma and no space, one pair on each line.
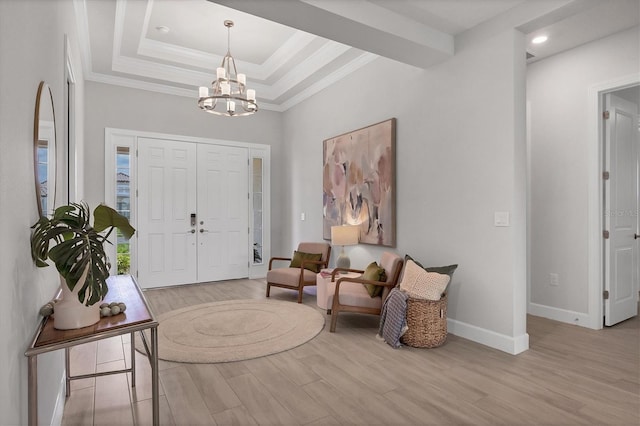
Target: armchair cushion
373,272
353,294
299,256
419,283
289,276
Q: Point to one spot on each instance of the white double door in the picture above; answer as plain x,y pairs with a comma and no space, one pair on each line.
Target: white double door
192,212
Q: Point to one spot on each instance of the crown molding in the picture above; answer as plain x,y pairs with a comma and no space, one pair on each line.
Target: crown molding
118,28
197,58
82,26
323,56
171,73
329,52
149,69
332,78
159,88
285,53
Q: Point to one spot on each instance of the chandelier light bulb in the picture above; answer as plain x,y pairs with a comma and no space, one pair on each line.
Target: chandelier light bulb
226,88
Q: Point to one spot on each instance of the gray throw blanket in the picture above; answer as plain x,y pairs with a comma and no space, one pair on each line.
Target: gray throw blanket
393,319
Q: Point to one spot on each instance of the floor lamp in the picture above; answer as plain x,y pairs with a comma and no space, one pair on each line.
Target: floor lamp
344,236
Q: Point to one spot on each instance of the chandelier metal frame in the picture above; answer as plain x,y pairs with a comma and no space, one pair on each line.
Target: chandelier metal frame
230,96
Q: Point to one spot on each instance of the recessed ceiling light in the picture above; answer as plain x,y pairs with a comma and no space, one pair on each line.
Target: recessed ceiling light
539,39
163,29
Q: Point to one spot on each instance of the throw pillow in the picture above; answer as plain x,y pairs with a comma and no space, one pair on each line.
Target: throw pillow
448,270
298,256
374,273
420,284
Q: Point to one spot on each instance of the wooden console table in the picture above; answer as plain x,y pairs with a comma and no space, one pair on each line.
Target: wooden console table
137,317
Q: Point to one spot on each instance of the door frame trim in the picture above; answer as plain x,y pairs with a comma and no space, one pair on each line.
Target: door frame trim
110,133
595,155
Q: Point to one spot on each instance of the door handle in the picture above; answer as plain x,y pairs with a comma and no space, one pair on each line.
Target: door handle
202,230
193,231
636,236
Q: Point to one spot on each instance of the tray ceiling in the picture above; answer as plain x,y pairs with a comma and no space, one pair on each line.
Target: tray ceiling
291,49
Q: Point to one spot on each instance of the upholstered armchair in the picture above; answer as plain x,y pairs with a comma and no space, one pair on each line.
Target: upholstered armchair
351,295
301,271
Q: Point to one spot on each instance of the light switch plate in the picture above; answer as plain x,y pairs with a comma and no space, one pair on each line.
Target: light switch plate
303,216
501,219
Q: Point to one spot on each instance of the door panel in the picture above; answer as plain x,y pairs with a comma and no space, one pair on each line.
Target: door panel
166,198
621,210
222,213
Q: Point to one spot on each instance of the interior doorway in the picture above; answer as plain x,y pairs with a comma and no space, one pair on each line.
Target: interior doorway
621,199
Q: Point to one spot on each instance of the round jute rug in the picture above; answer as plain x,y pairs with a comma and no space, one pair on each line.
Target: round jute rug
235,330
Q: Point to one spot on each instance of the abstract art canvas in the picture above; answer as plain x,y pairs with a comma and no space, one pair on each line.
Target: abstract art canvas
359,183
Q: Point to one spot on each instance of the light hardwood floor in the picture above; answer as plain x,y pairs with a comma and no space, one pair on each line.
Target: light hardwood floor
569,376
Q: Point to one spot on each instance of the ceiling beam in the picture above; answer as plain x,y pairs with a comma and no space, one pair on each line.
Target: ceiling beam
360,24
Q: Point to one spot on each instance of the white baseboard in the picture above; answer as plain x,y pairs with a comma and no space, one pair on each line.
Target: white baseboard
508,344
58,411
562,315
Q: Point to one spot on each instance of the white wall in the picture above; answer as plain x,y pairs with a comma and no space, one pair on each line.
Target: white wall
460,157
557,92
32,49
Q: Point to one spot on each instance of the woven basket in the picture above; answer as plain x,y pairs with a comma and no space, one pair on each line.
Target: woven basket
427,322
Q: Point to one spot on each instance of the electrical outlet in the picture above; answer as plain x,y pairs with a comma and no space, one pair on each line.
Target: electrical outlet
303,216
554,279
501,219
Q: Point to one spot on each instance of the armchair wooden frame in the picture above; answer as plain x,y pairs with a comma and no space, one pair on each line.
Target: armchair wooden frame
338,307
302,283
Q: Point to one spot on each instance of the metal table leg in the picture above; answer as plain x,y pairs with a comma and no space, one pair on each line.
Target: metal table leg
67,369
154,376
33,390
133,359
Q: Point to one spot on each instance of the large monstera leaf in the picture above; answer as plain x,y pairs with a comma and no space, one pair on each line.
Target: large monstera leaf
78,246
105,217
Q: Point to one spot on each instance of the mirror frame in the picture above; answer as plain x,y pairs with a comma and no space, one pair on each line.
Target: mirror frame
52,156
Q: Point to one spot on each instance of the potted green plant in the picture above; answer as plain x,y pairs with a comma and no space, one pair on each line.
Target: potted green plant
79,255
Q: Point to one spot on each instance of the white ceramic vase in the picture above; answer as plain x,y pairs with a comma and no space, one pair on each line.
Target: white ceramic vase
70,313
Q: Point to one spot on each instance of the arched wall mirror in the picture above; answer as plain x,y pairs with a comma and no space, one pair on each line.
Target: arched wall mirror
44,149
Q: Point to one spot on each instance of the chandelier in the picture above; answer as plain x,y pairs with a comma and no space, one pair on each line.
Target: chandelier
230,96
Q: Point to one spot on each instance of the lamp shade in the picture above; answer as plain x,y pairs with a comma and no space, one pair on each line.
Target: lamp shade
345,235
